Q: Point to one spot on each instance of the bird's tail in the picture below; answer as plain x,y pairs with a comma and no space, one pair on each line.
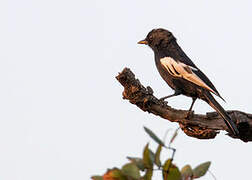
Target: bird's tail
215,105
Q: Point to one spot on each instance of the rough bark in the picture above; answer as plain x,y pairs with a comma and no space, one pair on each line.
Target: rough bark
197,125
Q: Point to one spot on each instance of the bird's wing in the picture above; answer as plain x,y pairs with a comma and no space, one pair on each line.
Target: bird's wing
186,60
201,75
190,73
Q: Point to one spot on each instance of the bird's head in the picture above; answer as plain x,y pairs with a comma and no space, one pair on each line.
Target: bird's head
158,39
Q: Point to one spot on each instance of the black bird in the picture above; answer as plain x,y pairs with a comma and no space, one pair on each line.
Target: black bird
181,74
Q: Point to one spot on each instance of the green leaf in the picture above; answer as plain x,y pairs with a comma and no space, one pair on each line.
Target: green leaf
148,174
174,136
114,173
137,161
97,178
148,163
173,173
117,173
187,171
157,156
152,156
153,136
131,170
166,166
201,169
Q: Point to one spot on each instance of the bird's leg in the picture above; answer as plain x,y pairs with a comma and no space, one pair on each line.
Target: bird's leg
190,109
176,93
193,101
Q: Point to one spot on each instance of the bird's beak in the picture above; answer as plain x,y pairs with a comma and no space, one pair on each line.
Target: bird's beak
143,42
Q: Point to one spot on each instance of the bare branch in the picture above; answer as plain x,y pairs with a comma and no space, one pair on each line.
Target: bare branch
198,125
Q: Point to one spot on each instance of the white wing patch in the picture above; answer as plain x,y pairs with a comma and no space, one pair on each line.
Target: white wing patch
181,70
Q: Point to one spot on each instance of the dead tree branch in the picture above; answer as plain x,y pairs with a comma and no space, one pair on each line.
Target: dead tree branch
198,125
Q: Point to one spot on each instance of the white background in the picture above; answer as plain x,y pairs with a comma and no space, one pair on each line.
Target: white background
61,111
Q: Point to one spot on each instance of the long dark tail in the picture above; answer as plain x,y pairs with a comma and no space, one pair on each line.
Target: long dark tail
214,104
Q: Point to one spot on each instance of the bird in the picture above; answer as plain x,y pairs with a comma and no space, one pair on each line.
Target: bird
182,75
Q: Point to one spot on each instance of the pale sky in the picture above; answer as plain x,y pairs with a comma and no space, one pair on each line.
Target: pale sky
61,111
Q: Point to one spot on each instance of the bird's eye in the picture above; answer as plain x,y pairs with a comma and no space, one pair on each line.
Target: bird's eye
150,38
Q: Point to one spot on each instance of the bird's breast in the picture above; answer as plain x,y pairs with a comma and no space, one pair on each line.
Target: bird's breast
168,78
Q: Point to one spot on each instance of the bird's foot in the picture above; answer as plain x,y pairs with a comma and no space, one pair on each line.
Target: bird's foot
189,115
162,99
165,103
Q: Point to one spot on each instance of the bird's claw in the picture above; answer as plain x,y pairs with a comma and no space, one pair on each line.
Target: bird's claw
162,99
189,115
